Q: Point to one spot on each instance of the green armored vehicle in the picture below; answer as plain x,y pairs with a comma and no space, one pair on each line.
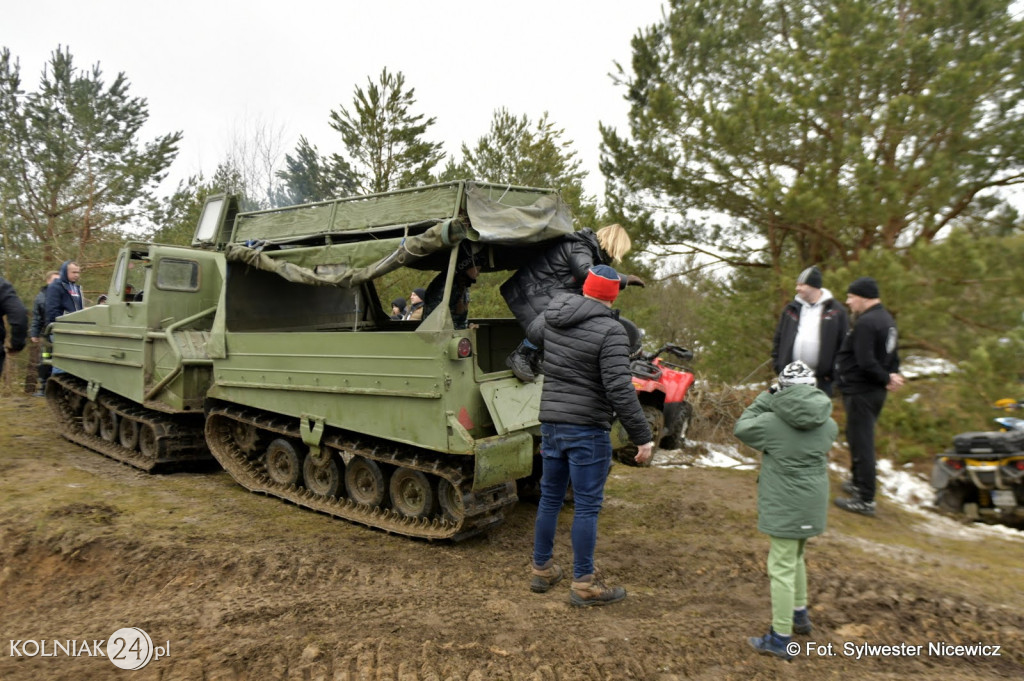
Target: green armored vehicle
269,339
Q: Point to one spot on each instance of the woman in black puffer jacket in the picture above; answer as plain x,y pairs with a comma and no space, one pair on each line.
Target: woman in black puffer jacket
560,269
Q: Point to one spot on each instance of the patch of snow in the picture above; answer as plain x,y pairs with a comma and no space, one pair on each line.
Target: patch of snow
907,489
918,367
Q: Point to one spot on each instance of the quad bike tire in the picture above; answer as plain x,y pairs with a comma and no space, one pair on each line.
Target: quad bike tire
674,435
656,420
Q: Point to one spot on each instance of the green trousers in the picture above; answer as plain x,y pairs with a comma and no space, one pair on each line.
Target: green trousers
788,581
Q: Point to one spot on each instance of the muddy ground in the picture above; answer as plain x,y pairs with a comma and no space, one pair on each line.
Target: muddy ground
243,586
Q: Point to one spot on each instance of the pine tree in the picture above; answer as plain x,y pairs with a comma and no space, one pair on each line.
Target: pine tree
517,151
384,141
773,132
73,166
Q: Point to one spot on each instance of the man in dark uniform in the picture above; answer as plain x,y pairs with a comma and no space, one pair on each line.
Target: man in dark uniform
868,366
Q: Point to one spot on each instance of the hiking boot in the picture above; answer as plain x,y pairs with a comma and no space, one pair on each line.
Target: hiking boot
589,590
537,362
857,505
519,363
850,488
772,644
545,578
801,622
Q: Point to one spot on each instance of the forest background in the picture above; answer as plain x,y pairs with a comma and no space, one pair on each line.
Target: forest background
879,138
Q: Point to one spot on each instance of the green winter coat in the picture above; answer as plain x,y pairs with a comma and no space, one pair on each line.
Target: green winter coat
794,429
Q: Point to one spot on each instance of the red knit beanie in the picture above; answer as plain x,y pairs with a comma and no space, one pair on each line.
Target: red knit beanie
602,282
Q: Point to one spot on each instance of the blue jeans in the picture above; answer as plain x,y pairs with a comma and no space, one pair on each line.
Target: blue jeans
581,455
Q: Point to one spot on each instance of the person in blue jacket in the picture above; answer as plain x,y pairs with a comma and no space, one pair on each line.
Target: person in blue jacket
791,424
64,295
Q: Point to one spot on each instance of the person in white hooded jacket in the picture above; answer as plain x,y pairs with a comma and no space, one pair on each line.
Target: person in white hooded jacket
811,329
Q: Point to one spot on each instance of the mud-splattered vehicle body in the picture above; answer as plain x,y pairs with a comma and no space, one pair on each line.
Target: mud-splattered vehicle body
271,339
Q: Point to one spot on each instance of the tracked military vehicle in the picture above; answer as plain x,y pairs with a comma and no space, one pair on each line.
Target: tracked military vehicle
268,342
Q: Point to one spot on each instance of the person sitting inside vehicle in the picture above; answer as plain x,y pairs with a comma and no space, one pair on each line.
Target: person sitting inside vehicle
415,309
398,309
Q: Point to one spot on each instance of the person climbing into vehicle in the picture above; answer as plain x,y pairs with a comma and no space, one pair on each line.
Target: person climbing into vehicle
587,382
791,424
562,268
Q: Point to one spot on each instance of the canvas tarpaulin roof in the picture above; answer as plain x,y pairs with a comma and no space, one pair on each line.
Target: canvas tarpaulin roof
494,218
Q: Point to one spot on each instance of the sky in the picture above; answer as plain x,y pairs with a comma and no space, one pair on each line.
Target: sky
217,70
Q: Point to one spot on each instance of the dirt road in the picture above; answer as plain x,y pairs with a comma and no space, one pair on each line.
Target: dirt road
239,586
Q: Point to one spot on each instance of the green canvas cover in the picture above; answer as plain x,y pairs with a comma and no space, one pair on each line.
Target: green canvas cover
494,215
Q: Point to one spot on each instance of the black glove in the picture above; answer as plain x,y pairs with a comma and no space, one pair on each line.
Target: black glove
633,280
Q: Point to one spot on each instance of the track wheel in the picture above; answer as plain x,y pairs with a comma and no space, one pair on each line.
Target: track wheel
412,494
247,438
323,480
284,465
450,498
128,433
147,441
364,481
108,424
91,418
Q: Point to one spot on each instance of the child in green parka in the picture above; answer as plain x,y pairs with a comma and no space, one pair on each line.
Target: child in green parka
791,425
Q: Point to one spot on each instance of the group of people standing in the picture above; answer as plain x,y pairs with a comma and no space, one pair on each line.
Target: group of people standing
815,347
60,295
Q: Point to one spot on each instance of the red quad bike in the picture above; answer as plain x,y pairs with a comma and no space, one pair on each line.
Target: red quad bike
662,387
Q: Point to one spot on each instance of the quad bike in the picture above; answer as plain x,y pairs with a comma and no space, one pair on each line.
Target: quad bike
983,476
662,387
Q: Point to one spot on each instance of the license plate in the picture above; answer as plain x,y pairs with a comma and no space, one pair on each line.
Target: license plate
1004,498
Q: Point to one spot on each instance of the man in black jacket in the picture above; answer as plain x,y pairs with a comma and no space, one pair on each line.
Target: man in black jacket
14,311
868,367
586,383
36,332
811,329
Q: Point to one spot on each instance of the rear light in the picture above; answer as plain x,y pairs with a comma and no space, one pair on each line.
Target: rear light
1019,464
955,464
459,348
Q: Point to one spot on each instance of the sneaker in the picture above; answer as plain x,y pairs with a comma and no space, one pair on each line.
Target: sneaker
589,590
849,488
772,644
519,363
856,505
544,579
801,622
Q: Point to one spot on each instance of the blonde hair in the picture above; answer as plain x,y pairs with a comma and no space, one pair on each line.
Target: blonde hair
614,241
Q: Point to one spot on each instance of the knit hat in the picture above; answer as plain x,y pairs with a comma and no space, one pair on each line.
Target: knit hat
421,292
797,373
811,276
399,303
865,287
602,282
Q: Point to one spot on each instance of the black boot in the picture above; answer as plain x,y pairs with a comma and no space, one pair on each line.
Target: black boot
519,363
